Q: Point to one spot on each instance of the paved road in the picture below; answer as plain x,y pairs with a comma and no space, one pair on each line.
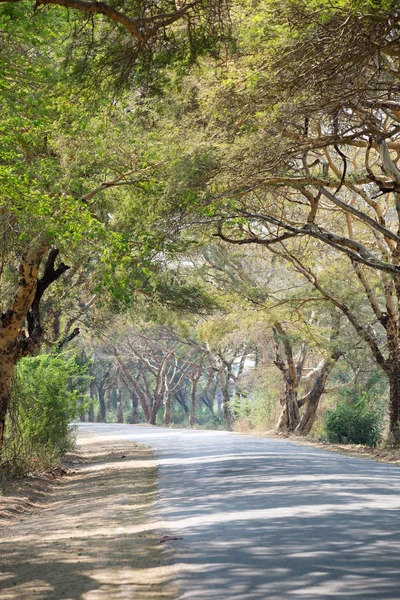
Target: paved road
267,519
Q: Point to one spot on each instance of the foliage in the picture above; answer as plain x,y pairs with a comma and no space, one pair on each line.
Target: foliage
48,393
261,410
353,423
141,190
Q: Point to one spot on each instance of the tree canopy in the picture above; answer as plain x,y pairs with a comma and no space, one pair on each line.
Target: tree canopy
220,178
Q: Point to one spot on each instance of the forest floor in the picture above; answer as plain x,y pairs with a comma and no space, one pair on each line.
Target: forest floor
86,532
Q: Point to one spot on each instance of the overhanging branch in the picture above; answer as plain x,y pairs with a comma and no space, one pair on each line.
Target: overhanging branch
354,250
141,28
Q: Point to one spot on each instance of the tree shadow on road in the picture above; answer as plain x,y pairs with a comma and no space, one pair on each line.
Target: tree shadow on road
277,521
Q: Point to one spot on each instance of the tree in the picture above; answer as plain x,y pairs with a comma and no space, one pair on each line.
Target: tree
156,354
306,127
272,307
124,44
51,202
102,373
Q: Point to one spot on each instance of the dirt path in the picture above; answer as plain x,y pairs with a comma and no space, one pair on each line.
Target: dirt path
94,538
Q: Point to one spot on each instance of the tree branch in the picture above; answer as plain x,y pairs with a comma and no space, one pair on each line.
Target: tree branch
141,28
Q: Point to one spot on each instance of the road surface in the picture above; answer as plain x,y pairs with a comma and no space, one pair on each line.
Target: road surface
268,519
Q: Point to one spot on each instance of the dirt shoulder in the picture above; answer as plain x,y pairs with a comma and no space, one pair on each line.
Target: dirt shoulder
387,455
87,535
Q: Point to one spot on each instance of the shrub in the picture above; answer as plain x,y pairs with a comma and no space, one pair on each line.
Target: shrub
353,423
47,395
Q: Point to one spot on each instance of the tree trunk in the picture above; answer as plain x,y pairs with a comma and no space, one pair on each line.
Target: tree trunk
109,399
179,397
292,370
101,415
311,407
167,410
13,343
312,400
394,389
292,410
218,396
290,414
192,418
6,373
147,407
394,397
154,411
393,373
195,382
207,401
135,406
120,415
92,397
4,403
226,408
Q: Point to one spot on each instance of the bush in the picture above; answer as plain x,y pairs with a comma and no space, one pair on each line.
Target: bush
47,395
353,423
264,408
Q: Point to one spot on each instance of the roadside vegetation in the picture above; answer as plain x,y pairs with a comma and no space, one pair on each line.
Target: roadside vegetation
199,219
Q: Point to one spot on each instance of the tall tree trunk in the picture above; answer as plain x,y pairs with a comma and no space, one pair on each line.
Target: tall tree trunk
207,401
102,414
6,373
226,401
134,384
226,407
292,370
135,406
219,398
92,397
13,343
120,415
312,399
311,407
192,418
290,414
167,410
292,409
393,373
180,398
195,382
108,397
157,402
